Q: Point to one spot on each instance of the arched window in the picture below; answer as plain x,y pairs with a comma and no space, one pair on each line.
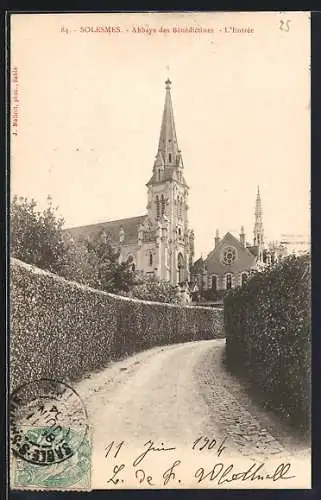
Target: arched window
133,268
158,174
244,278
170,157
121,235
180,207
150,258
103,236
180,261
214,282
163,204
157,207
228,281
179,232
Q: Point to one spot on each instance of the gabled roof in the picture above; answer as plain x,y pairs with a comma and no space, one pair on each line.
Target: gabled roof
214,262
111,228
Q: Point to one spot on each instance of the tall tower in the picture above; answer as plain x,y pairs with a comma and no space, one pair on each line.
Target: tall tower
167,199
258,226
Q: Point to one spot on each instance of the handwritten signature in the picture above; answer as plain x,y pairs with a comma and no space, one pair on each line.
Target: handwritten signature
219,473
224,474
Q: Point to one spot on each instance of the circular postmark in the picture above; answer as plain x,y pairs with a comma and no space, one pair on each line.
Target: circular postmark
48,422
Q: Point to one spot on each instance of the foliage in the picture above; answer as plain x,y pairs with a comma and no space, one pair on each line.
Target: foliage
155,290
36,236
213,294
268,335
78,264
62,330
113,276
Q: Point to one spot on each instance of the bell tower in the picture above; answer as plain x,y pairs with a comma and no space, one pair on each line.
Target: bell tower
258,226
167,197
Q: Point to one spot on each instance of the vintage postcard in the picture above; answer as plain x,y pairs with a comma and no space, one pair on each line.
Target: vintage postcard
160,326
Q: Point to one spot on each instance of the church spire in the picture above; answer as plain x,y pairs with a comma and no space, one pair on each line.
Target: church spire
258,224
167,146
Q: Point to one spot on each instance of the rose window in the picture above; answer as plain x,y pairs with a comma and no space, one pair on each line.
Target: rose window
229,255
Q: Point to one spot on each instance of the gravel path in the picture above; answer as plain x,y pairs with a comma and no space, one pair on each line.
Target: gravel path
177,394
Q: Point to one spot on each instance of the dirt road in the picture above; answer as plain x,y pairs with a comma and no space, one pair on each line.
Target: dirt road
178,394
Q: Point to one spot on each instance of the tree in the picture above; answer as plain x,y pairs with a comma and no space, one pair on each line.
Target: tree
154,290
79,264
113,276
36,236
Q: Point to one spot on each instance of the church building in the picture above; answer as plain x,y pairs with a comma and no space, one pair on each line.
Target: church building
229,264
159,243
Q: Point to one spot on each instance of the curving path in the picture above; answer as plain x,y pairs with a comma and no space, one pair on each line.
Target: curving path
175,395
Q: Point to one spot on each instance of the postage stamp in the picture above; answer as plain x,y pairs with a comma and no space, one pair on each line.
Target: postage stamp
49,436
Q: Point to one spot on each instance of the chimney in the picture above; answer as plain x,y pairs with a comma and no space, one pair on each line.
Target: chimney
242,236
217,238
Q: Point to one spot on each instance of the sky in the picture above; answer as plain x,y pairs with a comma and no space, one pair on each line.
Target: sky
89,107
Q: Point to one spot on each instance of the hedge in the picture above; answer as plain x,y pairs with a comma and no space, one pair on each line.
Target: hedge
61,329
268,336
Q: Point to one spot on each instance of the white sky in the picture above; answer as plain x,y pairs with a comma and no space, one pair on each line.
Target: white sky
90,108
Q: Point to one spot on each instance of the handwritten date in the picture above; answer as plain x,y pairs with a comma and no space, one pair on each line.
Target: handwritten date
218,473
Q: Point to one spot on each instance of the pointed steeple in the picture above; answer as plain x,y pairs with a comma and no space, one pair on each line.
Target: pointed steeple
258,223
168,163
167,145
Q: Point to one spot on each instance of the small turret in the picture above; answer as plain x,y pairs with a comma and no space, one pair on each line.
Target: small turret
242,236
217,238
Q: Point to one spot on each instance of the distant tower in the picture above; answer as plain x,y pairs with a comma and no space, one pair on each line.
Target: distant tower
258,226
167,199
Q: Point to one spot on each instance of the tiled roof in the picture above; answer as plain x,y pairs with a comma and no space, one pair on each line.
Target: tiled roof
111,228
